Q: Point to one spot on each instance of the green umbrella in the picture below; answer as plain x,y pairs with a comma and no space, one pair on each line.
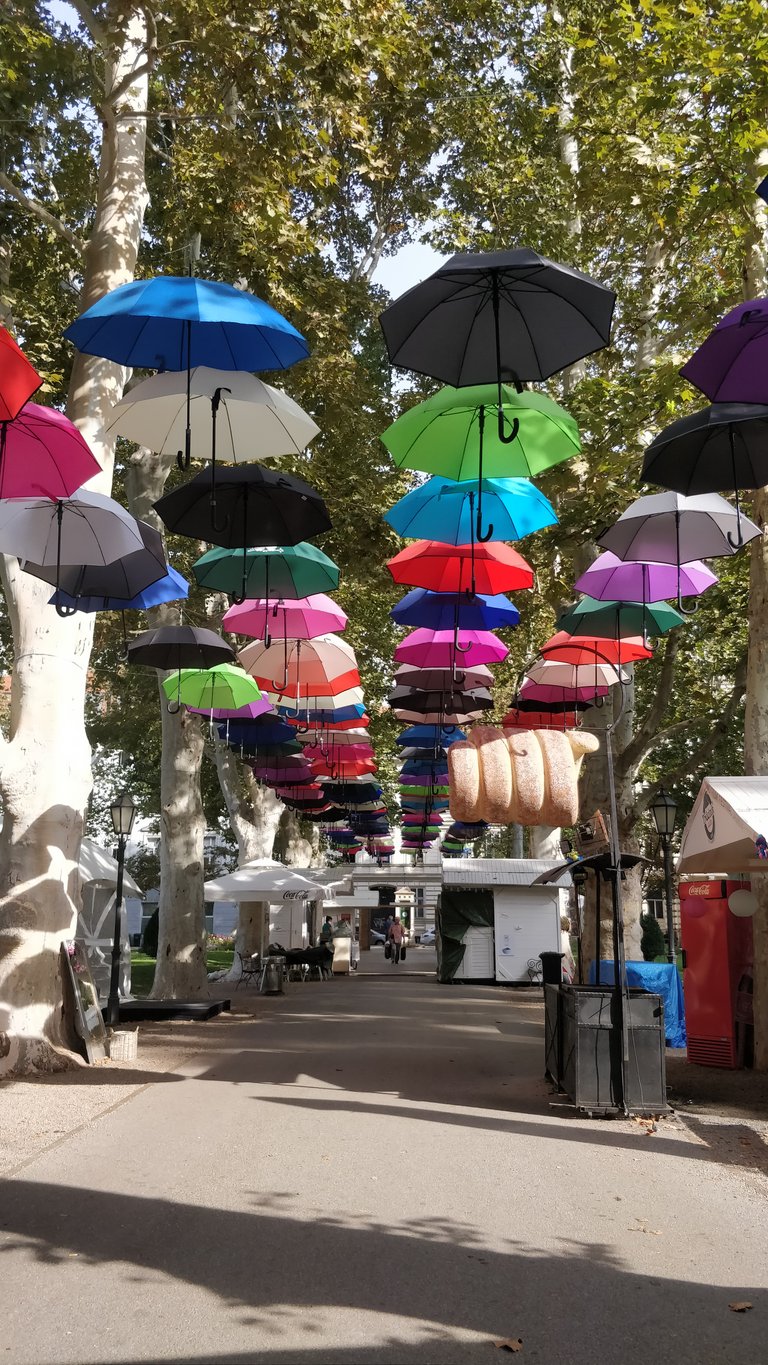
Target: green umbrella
449,434
225,688
408,792
614,620
271,571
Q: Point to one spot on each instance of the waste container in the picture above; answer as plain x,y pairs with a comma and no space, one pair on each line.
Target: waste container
585,1047
272,983
551,968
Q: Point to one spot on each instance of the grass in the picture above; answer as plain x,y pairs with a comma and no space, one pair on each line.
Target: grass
143,967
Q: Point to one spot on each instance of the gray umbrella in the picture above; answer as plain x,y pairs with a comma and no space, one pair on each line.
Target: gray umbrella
122,579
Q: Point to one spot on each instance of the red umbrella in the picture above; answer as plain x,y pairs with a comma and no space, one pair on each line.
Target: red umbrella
19,380
588,649
490,568
43,455
539,720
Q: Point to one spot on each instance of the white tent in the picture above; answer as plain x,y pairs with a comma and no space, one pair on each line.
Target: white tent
728,816
96,918
262,880
96,865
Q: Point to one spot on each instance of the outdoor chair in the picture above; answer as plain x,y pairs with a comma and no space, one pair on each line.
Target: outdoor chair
250,969
534,970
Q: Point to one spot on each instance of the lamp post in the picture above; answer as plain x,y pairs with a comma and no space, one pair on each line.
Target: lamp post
664,812
123,813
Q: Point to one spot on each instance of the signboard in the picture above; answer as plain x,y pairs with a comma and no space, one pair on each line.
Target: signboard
89,1024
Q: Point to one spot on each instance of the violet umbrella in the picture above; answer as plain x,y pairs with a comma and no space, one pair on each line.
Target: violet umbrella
639,580
732,364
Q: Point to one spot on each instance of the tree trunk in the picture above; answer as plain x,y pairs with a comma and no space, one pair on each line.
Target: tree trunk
45,771
254,814
291,845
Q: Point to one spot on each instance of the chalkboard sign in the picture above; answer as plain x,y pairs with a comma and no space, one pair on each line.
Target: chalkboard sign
89,1023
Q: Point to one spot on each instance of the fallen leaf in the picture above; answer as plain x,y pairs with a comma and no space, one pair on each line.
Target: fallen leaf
740,1307
510,1344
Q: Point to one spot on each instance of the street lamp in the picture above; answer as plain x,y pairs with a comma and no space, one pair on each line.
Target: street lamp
664,811
123,813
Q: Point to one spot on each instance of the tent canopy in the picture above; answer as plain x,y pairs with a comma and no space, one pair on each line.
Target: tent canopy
729,815
262,880
96,865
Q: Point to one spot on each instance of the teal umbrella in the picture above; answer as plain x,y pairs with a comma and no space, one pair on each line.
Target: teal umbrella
615,620
290,571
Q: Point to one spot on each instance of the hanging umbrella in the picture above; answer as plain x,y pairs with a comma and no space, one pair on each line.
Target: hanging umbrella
438,717
582,649
539,720
206,688
302,619
490,568
669,528
723,447
486,317
330,718
280,571
441,679
170,588
557,696
177,323
258,506
446,611
618,619
42,454
730,366
479,700
86,528
636,580
430,734
123,578
449,511
312,665
181,647
18,379
535,706
553,673
437,648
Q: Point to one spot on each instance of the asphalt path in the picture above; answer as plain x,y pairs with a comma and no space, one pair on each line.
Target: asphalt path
372,1169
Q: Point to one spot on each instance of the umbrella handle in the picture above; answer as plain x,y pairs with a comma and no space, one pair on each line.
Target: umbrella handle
689,611
64,612
480,536
173,708
505,439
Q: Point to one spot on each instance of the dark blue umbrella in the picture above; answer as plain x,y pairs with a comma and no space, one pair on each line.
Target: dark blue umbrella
449,610
177,322
430,734
325,717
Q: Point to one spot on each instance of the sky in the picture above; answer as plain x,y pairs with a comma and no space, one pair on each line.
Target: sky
406,268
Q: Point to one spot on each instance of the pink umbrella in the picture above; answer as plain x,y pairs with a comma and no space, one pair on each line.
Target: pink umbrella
304,619
43,455
546,692
439,648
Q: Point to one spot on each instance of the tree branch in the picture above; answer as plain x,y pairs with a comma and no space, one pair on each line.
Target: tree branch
35,207
87,17
648,728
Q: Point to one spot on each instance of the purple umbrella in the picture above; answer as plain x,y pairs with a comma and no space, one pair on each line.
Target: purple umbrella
731,366
638,580
252,711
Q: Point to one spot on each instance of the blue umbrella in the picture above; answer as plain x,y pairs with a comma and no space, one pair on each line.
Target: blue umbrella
177,322
446,511
448,610
325,717
170,588
431,734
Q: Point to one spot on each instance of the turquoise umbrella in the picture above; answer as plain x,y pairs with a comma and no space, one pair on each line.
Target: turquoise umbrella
450,512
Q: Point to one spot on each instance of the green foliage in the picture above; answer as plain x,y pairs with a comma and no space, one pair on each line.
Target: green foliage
652,943
144,867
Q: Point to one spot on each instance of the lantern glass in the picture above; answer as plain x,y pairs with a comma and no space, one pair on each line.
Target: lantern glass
664,812
123,813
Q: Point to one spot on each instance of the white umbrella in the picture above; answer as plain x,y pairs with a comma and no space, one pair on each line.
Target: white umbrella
668,528
255,421
254,881
556,674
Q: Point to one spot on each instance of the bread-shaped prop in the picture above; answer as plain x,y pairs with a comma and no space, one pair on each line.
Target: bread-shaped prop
495,772
464,779
524,777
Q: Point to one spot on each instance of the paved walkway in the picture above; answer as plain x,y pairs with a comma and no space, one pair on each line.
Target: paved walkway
371,1169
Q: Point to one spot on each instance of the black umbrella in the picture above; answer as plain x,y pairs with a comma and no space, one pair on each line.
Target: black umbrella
123,578
409,699
176,647
722,447
498,316
550,708
352,793
259,507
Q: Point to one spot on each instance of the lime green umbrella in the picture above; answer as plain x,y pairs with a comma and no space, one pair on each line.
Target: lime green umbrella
456,433
225,688
615,620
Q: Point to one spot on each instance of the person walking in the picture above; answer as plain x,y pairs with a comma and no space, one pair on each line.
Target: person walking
396,936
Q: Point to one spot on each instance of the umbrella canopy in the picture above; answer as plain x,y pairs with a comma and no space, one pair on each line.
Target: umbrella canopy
445,610
123,579
170,588
534,705
672,529
455,432
730,366
449,511
539,720
329,718
491,568
484,317
252,506
636,580
207,688
617,619
182,647
553,673
254,881
255,421
439,648
286,572
581,649
172,322
42,453
448,701
19,379
302,619
438,717
442,679
544,694
419,733
312,665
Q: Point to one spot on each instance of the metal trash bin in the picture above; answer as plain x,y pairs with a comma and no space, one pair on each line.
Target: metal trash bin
272,979
551,968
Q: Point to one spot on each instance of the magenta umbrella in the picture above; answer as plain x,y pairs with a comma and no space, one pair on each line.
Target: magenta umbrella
304,619
545,692
43,455
441,648
611,579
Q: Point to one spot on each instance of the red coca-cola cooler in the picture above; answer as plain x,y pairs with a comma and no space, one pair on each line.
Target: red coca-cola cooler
717,976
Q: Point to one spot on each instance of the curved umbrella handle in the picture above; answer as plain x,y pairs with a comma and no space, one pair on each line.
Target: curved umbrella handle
687,611
64,612
173,708
482,536
507,439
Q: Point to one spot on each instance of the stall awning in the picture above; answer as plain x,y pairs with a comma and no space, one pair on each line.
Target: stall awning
261,881
96,865
728,822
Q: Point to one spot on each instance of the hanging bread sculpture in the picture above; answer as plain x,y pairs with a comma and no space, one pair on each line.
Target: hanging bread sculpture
523,777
